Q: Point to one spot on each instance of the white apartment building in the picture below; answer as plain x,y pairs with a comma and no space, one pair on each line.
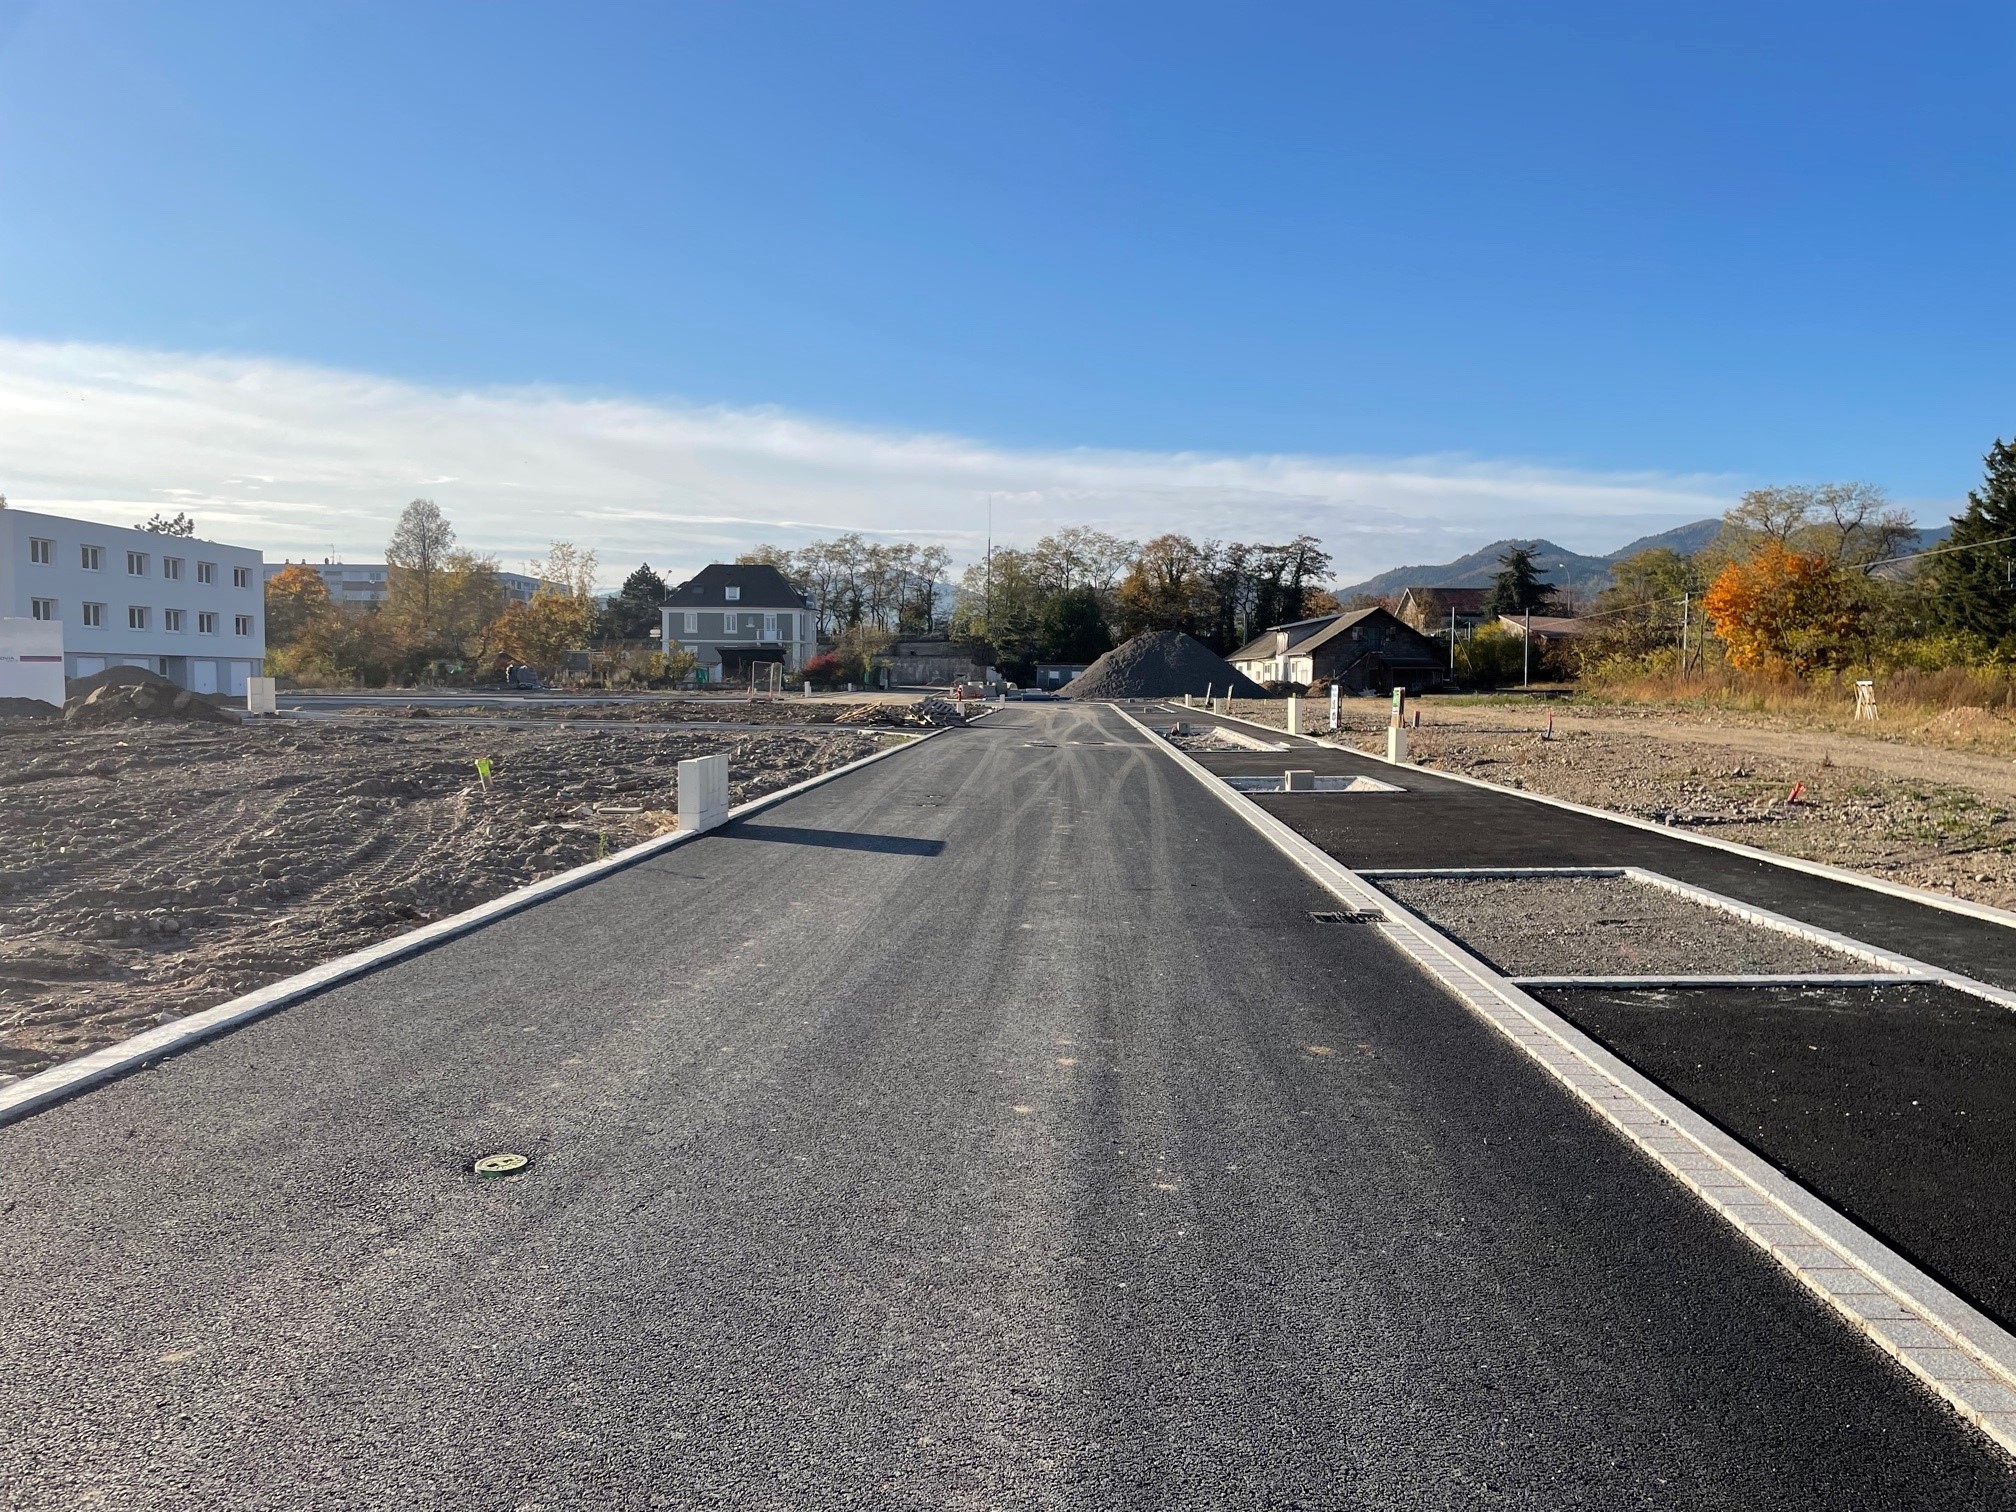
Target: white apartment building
371,582
191,610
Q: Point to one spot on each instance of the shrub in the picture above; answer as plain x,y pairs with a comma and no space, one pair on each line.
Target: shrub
824,671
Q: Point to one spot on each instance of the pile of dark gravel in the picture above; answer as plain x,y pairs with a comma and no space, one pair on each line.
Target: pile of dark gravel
1161,664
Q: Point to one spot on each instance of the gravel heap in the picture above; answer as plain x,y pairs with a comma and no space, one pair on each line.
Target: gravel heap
116,703
1161,664
27,708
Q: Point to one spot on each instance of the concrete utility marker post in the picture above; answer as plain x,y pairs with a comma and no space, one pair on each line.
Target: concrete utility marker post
1396,729
260,696
1335,694
1294,715
703,792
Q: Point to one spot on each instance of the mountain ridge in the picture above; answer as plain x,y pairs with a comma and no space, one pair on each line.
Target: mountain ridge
1571,569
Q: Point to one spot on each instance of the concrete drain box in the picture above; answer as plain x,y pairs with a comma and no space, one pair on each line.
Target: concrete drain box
1310,782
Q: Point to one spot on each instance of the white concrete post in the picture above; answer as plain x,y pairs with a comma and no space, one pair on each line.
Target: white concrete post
808,688
1294,715
703,792
259,696
1335,694
1396,731
1297,780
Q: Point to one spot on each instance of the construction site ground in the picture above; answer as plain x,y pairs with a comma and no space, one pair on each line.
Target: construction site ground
1914,810
1863,1093
156,868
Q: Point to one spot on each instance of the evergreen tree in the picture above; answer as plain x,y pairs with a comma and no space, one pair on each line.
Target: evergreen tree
633,613
1517,586
1074,627
1975,589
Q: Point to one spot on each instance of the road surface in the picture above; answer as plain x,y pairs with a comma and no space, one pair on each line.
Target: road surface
987,1128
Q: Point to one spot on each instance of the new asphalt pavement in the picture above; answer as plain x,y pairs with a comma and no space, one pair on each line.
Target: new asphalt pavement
991,1127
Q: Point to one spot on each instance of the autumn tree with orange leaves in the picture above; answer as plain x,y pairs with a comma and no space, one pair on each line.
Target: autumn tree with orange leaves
1785,612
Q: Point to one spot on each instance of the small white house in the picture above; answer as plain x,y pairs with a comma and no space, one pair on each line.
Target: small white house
191,610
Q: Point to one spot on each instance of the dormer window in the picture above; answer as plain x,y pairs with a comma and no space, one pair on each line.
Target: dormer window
733,593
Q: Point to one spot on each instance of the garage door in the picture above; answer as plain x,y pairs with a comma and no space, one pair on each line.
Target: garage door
203,676
240,673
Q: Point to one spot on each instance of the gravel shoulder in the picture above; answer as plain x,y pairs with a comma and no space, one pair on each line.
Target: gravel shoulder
159,868
1604,926
1933,818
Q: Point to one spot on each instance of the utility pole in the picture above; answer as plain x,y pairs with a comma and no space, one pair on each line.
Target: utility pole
1526,653
990,567
1686,614
1452,640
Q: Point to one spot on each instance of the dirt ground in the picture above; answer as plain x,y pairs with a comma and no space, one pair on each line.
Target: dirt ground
1927,815
905,713
158,868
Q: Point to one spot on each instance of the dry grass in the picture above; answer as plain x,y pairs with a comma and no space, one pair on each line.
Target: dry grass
1956,708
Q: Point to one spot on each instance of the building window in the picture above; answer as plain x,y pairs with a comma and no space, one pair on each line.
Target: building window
691,623
244,624
727,624
733,595
769,627
42,553
206,572
136,616
136,564
94,616
171,568
42,608
241,577
91,558
206,624
171,621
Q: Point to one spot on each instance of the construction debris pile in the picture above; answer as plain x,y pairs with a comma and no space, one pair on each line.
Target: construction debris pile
1161,664
159,867
926,713
157,698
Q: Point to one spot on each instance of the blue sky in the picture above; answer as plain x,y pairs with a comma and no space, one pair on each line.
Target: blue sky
1691,248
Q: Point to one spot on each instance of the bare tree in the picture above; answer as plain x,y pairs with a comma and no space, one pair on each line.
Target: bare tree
418,552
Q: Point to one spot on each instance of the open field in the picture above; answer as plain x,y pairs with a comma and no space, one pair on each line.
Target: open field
1922,814
157,868
893,713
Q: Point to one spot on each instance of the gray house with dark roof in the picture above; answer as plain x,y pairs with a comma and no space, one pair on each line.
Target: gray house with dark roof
1366,651
736,618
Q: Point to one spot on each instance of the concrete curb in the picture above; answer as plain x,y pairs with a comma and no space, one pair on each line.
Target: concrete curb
33,1093
1986,912
1955,1350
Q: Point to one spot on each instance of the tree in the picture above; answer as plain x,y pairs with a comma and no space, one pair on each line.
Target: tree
1074,627
1974,579
1168,587
566,571
1640,614
1852,524
1784,612
1517,587
297,605
415,557
634,612
180,525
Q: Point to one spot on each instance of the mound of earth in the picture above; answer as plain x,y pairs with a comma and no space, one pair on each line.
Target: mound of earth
113,703
27,708
1161,664
77,689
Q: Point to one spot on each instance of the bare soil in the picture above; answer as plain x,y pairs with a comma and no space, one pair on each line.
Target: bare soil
1925,815
895,714
157,868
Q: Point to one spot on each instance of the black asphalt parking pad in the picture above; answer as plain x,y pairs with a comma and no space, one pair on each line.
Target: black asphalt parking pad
1050,1158
1440,823
1897,1105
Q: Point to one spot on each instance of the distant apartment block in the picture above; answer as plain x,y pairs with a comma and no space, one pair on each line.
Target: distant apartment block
370,582
191,610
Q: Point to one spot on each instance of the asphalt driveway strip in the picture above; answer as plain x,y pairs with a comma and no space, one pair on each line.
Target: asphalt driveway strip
1897,1105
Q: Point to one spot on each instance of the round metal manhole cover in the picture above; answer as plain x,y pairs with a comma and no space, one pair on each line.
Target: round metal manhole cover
503,1164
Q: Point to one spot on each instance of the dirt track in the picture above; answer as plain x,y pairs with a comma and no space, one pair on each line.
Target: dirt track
155,869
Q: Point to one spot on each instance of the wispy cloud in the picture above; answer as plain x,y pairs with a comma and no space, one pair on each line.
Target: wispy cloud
301,461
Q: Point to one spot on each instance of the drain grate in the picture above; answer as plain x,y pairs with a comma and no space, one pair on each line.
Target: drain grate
1347,916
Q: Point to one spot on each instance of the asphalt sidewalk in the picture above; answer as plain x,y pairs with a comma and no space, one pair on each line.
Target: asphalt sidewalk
990,1127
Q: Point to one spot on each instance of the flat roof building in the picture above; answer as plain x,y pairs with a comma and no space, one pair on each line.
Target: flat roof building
371,582
190,610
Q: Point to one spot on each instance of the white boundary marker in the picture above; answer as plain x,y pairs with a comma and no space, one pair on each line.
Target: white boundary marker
1962,1355
1983,911
33,1093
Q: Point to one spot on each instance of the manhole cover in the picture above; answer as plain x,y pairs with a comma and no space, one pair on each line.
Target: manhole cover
1349,916
500,1165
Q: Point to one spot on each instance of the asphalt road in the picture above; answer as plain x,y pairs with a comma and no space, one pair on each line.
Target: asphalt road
988,1128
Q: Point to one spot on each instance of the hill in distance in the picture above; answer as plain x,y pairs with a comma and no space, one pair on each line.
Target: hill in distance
1588,575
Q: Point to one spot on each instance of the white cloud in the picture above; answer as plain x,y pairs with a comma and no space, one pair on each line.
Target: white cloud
301,460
